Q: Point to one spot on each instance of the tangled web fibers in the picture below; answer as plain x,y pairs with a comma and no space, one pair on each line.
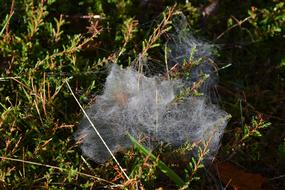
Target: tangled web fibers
185,47
146,108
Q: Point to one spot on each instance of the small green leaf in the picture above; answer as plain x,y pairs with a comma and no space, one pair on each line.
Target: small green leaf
257,134
155,45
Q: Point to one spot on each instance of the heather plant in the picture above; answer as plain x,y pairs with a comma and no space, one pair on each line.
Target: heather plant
35,59
47,44
153,109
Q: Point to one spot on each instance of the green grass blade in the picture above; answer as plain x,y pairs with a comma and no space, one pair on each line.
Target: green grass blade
161,165
6,20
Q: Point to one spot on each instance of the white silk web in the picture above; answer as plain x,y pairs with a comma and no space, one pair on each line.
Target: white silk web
146,107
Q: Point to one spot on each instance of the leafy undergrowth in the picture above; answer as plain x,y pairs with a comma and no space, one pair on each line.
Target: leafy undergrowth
44,44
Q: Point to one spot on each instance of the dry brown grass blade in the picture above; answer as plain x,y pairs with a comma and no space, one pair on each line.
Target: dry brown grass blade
58,168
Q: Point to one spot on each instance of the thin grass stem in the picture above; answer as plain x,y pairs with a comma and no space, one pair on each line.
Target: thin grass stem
97,132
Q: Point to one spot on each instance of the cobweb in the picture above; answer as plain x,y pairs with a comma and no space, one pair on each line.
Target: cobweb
184,47
147,107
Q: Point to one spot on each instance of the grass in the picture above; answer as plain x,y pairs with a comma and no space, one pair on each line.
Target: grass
161,165
40,49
